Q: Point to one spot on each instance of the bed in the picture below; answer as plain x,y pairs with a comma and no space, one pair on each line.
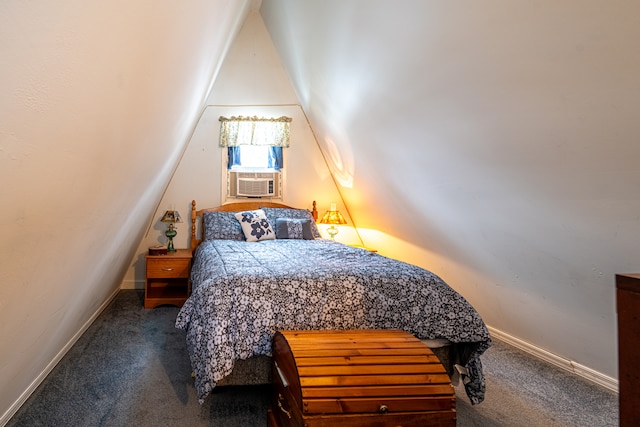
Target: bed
288,277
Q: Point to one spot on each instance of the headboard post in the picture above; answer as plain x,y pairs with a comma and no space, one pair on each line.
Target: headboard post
314,212
193,243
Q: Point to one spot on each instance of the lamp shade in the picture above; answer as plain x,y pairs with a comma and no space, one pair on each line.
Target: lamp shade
171,216
332,217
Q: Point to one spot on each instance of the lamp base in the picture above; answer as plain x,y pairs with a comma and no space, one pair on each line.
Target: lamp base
170,233
333,230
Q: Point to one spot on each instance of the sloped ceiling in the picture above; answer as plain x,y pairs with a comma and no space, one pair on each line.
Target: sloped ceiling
98,101
494,142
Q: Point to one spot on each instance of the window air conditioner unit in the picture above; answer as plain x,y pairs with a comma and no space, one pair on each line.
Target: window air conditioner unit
254,184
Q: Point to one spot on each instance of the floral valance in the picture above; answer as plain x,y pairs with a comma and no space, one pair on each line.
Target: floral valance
254,131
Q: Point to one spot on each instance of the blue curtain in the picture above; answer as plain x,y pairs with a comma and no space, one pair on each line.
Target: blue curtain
275,158
234,156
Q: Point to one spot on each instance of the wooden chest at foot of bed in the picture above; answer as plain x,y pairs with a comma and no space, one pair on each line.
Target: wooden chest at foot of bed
358,378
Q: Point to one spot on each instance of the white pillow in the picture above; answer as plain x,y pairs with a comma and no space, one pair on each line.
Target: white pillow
255,225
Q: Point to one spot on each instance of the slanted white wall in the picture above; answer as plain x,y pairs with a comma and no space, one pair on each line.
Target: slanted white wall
493,142
251,82
98,100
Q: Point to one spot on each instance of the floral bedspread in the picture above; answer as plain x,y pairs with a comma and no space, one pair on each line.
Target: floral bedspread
243,292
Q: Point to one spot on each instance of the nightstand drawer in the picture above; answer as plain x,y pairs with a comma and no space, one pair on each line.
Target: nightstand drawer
167,279
168,268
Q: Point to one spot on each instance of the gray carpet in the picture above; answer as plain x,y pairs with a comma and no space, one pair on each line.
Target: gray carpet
131,369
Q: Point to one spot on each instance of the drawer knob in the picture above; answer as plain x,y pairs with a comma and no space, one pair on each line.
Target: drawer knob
167,269
383,409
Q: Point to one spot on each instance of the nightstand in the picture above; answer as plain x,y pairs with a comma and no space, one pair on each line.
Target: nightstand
167,280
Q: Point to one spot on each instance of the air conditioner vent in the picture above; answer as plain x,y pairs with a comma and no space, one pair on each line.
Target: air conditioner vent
254,184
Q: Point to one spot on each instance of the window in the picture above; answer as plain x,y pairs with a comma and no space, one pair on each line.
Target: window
254,142
254,157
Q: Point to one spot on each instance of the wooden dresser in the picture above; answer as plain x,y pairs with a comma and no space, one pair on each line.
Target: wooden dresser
628,302
167,280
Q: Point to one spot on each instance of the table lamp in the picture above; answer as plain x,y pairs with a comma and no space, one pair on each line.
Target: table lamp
333,217
171,217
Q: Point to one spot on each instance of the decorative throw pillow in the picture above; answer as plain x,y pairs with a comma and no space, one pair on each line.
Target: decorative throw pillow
293,228
255,225
274,213
221,225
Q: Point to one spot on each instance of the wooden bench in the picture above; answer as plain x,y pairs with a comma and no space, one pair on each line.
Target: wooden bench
358,378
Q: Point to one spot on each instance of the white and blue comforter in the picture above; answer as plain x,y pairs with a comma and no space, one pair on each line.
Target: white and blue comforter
243,292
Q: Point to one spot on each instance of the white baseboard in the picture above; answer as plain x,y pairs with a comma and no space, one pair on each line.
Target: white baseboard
38,380
132,284
566,364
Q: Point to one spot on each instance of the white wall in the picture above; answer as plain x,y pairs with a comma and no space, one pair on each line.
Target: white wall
251,82
98,100
519,120
493,142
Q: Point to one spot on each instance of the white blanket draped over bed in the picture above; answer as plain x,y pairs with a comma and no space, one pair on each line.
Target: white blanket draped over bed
243,292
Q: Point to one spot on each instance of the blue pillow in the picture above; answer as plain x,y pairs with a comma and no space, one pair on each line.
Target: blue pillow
293,228
221,225
274,213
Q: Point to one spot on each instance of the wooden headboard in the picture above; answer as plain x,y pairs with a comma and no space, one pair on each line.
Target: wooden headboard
235,207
